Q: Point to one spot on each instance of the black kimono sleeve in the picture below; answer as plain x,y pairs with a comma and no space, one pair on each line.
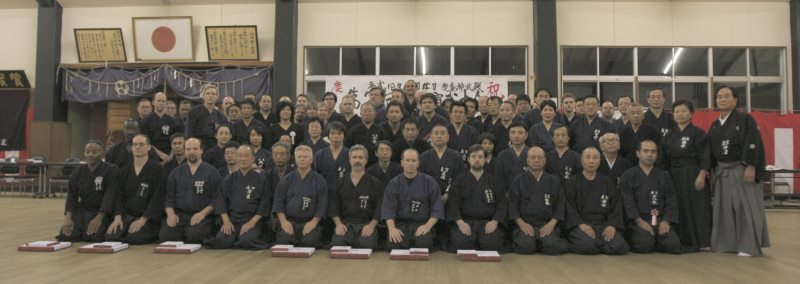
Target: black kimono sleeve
156,205
614,217
114,188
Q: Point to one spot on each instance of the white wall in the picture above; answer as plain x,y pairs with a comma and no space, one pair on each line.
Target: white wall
18,31
262,15
413,23
763,23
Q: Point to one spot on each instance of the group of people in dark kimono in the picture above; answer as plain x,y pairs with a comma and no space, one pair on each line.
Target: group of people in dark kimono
507,174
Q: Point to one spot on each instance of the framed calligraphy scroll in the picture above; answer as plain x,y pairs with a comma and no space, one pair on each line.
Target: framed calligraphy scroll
100,45
232,42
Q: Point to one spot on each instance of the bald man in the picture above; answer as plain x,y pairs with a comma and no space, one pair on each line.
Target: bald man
90,197
160,126
594,210
411,206
244,200
537,206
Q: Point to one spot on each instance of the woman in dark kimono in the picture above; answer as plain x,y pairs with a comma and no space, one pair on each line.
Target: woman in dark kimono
286,126
263,157
687,156
541,134
487,142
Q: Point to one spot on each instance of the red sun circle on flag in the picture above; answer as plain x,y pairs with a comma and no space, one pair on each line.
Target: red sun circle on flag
163,39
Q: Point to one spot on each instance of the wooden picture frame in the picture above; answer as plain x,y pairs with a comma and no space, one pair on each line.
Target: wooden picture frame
100,45
163,39
232,42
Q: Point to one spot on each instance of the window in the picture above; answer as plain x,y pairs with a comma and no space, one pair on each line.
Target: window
397,60
516,87
580,89
358,61
322,61
684,73
315,90
579,61
730,62
697,93
508,60
433,60
612,91
690,61
765,61
506,63
616,61
471,60
765,96
653,60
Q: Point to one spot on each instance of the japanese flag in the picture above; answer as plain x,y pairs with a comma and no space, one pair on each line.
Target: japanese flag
164,39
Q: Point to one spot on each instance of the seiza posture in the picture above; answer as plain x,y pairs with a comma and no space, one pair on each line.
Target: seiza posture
191,190
411,206
537,206
139,203
301,199
476,207
243,203
355,204
90,198
650,204
594,210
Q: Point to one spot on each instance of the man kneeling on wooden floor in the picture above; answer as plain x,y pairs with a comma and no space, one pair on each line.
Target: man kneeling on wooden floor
246,198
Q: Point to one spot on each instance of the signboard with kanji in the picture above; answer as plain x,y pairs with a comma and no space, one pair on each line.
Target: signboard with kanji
100,45
14,79
232,42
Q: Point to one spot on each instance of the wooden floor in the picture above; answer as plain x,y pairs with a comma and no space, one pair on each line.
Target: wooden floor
25,219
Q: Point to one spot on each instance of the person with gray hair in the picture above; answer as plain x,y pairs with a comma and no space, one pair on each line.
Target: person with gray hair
301,201
244,199
367,133
355,204
612,164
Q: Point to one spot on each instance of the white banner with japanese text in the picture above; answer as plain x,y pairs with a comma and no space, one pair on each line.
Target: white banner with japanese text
444,87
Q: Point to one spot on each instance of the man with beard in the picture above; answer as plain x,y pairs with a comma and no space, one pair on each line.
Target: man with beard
191,190
476,207
355,204
650,204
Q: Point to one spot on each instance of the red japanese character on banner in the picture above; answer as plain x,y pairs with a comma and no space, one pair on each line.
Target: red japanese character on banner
337,87
492,89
